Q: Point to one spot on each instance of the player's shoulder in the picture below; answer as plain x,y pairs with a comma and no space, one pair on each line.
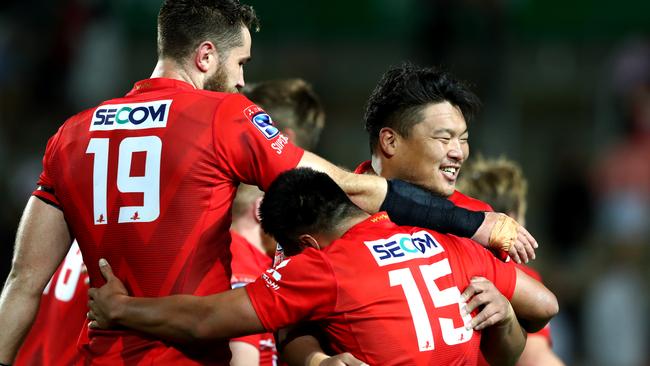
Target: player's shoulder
470,203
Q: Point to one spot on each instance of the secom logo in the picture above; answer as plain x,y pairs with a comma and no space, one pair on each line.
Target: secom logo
402,247
133,116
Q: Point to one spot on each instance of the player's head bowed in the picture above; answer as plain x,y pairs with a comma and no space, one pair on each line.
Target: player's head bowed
304,201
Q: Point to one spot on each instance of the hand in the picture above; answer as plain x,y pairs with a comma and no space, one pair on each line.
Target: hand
496,308
499,231
104,301
342,359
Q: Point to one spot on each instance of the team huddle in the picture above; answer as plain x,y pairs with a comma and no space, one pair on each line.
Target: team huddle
157,193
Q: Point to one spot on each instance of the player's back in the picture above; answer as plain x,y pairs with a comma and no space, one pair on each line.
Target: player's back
399,294
147,181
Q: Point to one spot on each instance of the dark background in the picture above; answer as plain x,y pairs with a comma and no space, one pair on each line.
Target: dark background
566,92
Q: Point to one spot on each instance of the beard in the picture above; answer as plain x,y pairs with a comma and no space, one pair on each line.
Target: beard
219,83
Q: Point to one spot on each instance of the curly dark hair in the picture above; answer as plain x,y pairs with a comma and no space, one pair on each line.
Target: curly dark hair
184,24
303,201
404,91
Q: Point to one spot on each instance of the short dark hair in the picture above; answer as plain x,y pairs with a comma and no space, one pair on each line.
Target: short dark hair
293,104
404,91
303,201
184,24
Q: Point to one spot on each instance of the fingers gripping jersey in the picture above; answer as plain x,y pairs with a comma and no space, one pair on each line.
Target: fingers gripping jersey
390,295
147,182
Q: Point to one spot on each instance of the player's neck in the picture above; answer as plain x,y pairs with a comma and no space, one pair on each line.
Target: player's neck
346,224
251,232
167,68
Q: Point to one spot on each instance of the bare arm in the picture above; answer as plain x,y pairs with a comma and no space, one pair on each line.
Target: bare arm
42,241
502,338
179,318
534,304
369,192
503,343
366,191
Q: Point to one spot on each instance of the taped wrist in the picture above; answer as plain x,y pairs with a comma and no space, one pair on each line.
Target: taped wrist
408,204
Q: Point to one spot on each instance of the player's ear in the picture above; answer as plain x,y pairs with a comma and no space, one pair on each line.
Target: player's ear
388,140
206,57
307,241
256,209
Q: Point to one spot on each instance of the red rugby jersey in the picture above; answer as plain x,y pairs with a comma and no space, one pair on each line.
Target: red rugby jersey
62,314
147,182
248,263
390,295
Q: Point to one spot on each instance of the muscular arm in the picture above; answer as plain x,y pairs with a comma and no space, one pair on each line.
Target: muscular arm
42,241
179,318
502,338
366,191
414,206
534,304
503,343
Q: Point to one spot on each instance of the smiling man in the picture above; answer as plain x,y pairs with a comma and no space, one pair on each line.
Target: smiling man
416,122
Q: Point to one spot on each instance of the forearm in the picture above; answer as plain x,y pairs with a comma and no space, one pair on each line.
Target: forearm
42,240
186,318
174,318
411,205
18,308
300,350
503,343
366,191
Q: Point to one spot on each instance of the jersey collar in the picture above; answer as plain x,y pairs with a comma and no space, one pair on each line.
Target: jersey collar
374,222
148,85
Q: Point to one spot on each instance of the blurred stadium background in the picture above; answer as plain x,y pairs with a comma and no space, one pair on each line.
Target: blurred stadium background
565,87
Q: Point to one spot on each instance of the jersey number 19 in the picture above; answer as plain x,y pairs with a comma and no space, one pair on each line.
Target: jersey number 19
148,184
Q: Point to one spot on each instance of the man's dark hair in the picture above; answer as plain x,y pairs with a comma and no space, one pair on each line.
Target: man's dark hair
404,91
293,104
303,201
184,24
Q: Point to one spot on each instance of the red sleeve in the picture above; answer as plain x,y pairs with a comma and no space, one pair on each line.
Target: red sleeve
544,333
45,189
249,144
482,263
302,287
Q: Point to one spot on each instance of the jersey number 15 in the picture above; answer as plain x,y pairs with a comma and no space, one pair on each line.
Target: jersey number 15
451,296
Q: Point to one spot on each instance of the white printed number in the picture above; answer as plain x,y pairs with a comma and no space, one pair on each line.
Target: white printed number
69,276
147,184
430,272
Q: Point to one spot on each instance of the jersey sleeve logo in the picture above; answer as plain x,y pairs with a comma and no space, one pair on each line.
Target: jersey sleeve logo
262,121
132,116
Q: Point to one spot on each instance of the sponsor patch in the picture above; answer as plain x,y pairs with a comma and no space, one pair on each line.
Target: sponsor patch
132,116
403,247
271,277
262,121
